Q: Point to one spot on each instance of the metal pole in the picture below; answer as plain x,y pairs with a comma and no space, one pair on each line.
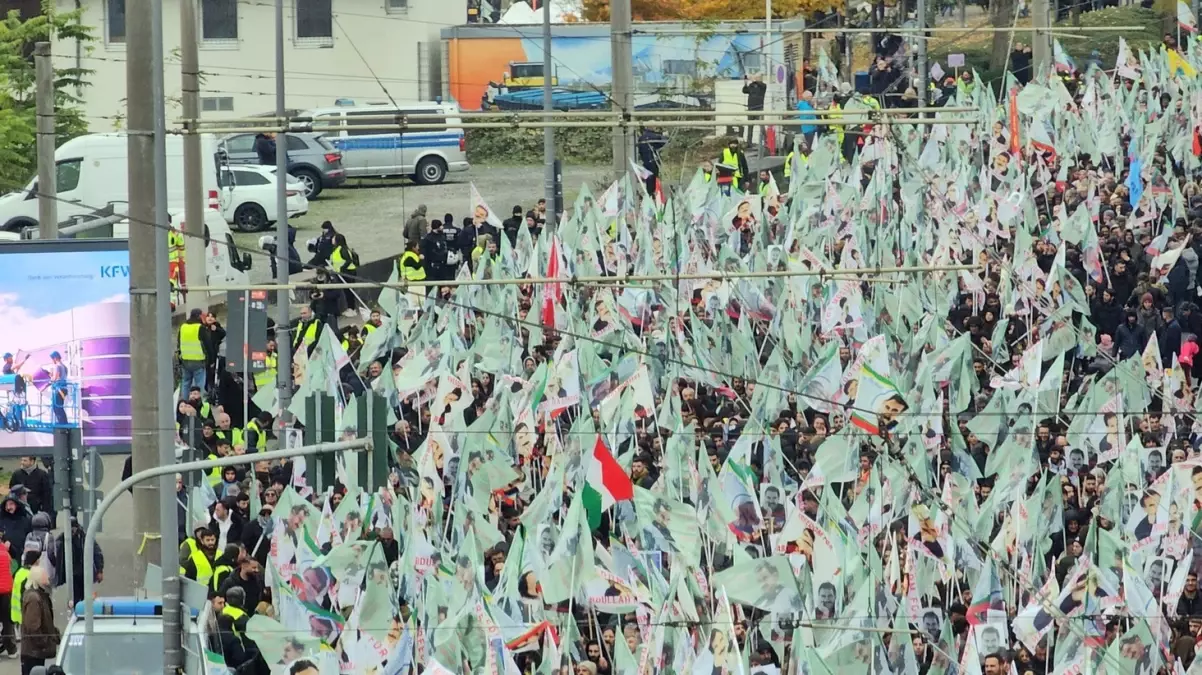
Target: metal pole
923,72
168,553
1041,46
143,268
47,178
621,61
509,118
194,196
89,540
548,132
849,73
282,299
600,280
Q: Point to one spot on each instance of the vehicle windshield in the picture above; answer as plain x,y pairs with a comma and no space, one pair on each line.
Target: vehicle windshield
117,653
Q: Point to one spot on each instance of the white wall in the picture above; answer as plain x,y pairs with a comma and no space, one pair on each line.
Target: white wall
402,48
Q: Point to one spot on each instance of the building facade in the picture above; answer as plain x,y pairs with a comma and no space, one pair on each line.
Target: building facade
335,51
675,65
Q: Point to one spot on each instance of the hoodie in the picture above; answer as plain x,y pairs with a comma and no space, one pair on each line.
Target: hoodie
15,526
417,225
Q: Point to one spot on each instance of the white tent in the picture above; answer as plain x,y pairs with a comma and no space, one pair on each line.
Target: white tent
521,13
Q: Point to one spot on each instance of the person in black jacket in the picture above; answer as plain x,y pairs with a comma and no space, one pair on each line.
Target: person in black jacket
651,141
434,252
755,90
247,577
265,149
37,481
323,246
15,523
256,535
511,225
1020,63
77,536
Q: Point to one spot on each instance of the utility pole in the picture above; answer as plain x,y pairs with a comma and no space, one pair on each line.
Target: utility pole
194,205
282,297
47,178
150,319
924,75
548,132
1041,39
621,62
168,554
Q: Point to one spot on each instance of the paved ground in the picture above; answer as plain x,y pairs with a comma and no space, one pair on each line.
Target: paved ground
372,215
116,542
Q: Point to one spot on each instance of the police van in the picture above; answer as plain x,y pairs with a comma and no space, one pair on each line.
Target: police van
425,155
127,637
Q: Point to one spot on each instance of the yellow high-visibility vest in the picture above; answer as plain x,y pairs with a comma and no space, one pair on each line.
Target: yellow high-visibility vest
204,568
214,481
219,575
235,614
234,436
190,346
707,177
732,159
175,246
369,328
836,113
307,336
412,273
261,441
341,261
789,163
265,379
14,608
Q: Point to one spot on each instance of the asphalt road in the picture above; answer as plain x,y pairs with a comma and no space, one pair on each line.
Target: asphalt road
372,213
116,542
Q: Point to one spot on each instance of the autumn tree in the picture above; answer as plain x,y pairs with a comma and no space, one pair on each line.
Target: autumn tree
18,119
708,10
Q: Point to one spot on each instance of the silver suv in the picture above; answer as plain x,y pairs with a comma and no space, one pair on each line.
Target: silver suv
312,159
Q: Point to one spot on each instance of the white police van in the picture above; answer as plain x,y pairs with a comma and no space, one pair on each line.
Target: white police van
425,155
127,637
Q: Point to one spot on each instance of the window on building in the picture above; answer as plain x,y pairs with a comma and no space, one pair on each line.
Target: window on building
396,6
116,20
216,103
680,67
314,19
219,19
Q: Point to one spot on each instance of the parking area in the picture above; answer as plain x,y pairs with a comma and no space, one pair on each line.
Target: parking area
371,213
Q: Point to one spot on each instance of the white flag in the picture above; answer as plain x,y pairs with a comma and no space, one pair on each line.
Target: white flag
1185,17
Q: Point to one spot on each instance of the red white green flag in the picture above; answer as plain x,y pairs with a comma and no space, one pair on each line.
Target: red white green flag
605,484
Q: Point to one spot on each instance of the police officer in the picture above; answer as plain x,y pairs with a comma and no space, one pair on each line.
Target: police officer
455,256
434,252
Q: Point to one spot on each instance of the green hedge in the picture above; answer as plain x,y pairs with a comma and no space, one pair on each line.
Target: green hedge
578,146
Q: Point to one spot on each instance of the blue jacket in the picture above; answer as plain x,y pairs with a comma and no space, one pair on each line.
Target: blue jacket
1130,339
807,112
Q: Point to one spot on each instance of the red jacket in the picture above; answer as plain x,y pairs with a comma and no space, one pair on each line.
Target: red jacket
6,571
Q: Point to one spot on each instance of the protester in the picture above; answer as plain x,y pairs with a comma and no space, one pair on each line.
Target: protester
39,635
775,452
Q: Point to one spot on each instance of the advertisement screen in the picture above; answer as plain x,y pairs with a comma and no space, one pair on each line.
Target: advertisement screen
64,337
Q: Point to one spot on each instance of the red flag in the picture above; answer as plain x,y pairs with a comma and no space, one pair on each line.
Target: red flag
1015,145
553,293
1197,148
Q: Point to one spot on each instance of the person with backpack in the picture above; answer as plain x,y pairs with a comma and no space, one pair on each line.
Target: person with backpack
40,540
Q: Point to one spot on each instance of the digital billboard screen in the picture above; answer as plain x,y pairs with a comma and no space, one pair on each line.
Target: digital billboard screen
64,337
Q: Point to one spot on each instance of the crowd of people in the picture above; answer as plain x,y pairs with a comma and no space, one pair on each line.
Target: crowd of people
922,403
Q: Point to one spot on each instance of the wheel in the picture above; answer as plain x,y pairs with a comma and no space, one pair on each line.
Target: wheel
431,171
19,225
250,217
310,180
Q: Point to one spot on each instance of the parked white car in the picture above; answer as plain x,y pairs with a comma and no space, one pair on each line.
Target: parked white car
248,197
